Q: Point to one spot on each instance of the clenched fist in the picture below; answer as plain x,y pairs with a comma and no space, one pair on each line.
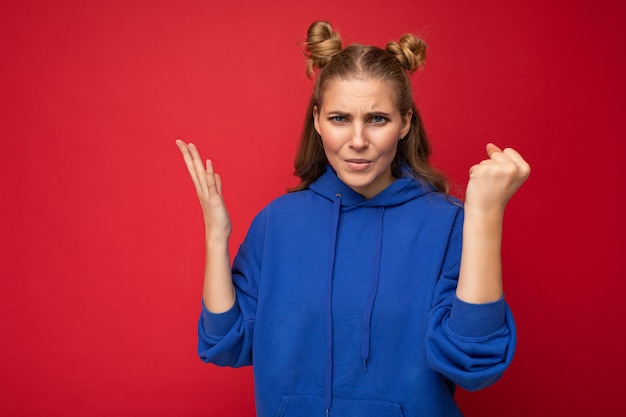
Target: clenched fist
494,180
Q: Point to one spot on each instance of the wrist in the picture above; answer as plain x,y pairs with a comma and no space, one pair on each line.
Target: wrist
483,225
217,240
482,213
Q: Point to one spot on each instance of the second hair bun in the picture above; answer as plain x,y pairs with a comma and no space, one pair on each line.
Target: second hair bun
409,50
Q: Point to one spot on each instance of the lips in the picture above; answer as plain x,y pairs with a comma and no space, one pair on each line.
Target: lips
358,164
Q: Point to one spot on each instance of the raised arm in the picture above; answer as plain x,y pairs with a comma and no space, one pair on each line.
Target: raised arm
218,290
492,183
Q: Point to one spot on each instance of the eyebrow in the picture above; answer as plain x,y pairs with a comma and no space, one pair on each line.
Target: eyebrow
367,115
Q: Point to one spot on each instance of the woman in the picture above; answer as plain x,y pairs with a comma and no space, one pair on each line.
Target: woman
367,291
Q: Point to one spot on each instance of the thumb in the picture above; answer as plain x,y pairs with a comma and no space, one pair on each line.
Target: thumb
491,148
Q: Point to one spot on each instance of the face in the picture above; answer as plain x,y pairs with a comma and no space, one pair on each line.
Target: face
360,125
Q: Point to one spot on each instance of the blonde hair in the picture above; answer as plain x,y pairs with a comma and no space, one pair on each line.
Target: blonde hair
328,60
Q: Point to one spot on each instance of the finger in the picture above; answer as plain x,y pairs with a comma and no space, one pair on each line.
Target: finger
218,183
491,149
211,179
501,156
188,158
515,156
480,167
522,166
198,167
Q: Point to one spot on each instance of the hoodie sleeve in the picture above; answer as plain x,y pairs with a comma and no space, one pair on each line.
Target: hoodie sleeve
469,344
225,339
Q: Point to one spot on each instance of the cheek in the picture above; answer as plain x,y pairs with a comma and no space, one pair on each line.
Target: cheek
330,149
389,147
332,140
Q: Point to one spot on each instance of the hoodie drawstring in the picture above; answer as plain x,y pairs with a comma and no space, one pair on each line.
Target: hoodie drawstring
367,315
369,307
328,306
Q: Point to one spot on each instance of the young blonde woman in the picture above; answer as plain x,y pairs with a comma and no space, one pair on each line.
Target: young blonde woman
367,290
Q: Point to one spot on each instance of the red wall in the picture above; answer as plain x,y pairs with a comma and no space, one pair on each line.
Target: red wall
101,254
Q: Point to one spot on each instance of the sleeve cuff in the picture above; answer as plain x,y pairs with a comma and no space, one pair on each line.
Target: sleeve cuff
219,323
476,320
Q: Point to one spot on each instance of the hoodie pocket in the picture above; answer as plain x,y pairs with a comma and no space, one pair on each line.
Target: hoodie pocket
313,406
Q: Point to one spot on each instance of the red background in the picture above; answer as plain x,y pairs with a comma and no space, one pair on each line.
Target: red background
101,255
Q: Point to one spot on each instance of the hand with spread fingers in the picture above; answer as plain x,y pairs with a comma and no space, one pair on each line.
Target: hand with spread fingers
494,180
218,293
208,186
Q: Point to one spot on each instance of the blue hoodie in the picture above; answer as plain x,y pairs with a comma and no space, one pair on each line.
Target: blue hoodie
346,306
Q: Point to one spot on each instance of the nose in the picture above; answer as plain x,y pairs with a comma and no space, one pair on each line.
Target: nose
358,139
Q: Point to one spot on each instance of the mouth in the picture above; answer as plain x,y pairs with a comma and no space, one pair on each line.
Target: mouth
358,164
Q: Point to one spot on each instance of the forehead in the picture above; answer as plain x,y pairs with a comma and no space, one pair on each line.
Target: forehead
359,92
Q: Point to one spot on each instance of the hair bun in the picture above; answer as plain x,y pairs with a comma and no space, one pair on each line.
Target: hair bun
322,43
409,50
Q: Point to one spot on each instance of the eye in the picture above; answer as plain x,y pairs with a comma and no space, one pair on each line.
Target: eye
338,119
379,120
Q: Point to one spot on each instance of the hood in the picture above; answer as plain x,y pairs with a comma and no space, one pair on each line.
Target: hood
403,189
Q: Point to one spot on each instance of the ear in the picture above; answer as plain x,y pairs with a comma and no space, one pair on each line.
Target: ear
406,123
316,120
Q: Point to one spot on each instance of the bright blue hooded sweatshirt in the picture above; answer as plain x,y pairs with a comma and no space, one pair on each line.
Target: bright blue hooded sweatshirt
346,306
